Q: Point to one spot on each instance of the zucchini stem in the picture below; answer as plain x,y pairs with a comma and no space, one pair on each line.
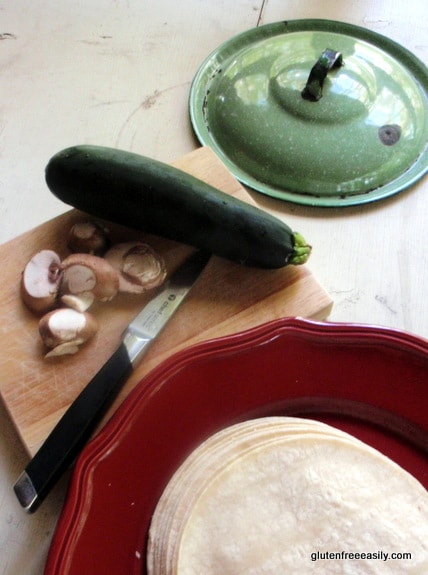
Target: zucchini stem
302,250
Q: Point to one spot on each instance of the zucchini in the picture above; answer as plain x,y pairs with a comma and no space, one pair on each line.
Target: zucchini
154,197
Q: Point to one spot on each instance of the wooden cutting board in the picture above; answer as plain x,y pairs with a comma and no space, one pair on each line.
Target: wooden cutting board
227,298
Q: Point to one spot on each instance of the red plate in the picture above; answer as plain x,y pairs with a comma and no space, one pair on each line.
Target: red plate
369,381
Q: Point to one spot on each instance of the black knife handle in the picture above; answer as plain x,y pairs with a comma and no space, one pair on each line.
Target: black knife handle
72,431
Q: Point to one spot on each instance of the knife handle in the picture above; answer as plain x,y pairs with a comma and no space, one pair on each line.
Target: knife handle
72,431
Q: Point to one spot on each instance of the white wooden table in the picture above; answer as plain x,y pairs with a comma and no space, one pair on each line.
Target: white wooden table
118,73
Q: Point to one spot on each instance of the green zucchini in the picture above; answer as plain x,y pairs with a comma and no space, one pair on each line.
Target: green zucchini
156,198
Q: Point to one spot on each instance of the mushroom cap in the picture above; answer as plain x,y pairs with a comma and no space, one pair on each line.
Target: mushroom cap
88,237
40,281
65,325
140,267
84,273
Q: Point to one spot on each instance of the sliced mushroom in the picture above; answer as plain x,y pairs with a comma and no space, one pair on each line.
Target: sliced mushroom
64,330
89,238
88,277
141,267
69,348
80,302
40,281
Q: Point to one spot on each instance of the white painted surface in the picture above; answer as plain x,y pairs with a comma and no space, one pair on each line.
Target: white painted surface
118,73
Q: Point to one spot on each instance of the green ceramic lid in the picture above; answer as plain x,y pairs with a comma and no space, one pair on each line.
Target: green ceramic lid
315,112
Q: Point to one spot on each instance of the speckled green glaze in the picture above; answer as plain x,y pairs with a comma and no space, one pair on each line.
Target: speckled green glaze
366,138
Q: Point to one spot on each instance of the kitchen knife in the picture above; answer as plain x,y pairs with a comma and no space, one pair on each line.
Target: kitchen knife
76,426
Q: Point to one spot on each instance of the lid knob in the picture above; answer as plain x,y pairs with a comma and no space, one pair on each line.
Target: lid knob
329,59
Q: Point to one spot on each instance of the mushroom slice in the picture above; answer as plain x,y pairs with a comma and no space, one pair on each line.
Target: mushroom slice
80,302
64,330
69,348
40,281
141,268
86,275
89,238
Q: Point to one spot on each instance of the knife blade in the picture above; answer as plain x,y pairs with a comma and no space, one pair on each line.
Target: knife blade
76,426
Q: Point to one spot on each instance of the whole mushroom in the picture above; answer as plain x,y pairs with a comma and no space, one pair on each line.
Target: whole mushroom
64,330
88,237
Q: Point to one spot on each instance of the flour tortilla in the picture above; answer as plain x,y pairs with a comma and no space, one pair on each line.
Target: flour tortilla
262,496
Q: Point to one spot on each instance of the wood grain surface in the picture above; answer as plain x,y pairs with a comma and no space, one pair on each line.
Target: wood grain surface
227,298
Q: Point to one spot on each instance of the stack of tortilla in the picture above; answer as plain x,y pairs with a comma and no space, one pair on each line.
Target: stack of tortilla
284,495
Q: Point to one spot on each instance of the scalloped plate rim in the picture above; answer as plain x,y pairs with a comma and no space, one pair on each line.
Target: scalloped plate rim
77,506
